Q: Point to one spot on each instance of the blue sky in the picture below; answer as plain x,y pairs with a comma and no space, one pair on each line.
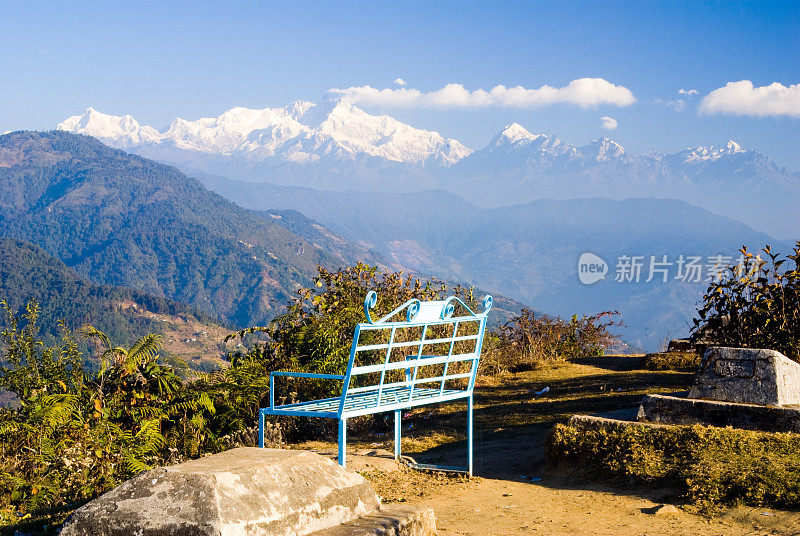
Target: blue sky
160,60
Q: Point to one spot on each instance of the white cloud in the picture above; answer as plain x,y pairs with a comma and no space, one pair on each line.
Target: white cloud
678,104
399,81
609,123
584,92
687,92
742,98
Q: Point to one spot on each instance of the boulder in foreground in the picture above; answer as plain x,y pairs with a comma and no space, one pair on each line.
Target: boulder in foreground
244,491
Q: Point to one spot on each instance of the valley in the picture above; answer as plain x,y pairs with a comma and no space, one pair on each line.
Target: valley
530,251
28,273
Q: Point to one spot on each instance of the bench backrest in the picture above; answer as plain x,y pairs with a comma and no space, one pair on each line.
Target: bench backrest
426,345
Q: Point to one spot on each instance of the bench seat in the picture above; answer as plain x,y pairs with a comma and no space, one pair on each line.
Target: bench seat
435,351
365,403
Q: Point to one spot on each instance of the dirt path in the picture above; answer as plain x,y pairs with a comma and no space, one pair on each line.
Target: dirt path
515,492
524,504
501,507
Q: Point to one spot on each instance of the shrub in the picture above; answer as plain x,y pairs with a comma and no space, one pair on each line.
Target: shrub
76,433
755,304
706,466
680,361
532,339
316,332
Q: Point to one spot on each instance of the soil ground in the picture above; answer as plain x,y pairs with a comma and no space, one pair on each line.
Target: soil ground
514,491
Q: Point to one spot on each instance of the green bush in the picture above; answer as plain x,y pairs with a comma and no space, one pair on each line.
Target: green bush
316,331
707,466
76,433
680,361
755,304
531,340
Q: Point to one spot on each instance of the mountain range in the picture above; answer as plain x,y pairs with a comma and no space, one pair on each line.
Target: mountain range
120,219
337,146
512,217
98,235
301,132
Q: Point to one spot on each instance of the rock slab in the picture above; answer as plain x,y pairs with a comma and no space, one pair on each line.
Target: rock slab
244,491
747,376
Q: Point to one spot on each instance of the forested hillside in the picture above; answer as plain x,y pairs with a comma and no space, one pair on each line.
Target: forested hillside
28,273
122,220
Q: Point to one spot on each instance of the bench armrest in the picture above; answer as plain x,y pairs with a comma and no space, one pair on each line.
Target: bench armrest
296,375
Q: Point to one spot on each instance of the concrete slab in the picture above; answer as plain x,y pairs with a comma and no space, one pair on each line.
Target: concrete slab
391,521
593,422
674,410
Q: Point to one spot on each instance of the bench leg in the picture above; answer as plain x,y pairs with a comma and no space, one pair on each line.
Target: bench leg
398,416
343,442
261,429
469,436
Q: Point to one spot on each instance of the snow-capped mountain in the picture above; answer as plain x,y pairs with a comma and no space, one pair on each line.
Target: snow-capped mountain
515,138
120,132
517,166
515,142
302,132
517,153
514,135
602,150
334,132
711,153
337,146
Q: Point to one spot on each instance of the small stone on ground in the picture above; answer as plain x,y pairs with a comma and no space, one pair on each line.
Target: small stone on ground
667,510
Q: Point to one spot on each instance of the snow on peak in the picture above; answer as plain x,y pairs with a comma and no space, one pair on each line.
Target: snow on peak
119,131
232,128
338,131
516,139
512,136
710,154
603,149
299,131
297,109
516,133
354,130
733,147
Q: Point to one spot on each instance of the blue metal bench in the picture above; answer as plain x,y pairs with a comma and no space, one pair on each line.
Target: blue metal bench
430,357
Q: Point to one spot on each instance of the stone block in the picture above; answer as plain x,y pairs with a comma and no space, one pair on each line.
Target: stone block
680,345
244,491
392,521
594,422
662,409
747,376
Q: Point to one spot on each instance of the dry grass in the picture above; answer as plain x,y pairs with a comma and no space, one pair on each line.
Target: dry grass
409,485
507,409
